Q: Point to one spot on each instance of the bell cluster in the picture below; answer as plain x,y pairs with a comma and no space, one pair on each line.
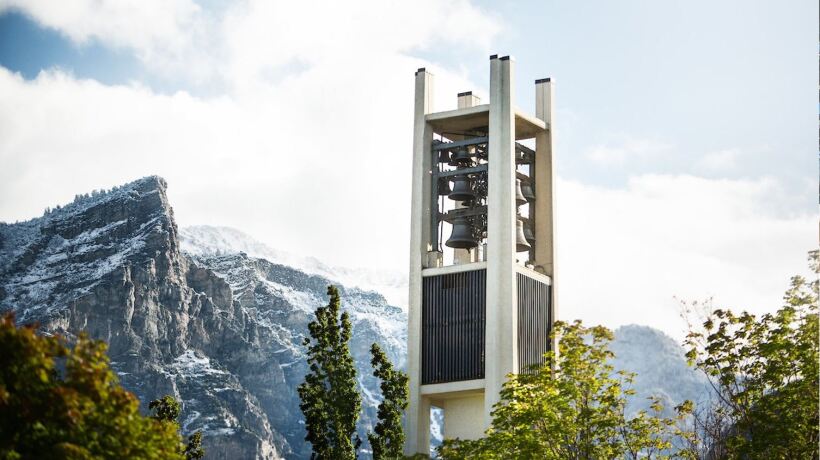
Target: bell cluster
468,189
462,178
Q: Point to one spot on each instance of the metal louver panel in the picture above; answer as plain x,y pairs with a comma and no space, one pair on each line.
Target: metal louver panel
453,324
533,321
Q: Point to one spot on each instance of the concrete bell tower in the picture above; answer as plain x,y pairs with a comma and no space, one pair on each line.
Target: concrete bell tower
482,304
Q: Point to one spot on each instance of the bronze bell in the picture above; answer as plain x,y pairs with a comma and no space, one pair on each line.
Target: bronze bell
461,157
462,189
462,236
443,156
519,196
443,186
526,190
528,235
521,244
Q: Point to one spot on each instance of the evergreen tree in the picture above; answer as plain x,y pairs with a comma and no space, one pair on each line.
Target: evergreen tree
167,409
194,450
387,438
330,401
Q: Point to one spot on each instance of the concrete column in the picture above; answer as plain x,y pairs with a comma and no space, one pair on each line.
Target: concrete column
501,352
545,188
467,100
418,411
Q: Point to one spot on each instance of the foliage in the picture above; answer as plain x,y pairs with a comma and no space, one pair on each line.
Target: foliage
329,397
387,438
193,450
166,410
764,372
571,407
66,403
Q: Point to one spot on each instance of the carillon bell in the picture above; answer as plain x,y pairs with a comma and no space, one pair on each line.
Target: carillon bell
528,235
526,190
462,189
443,156
462,236
443,186
519,196
521,244
461,157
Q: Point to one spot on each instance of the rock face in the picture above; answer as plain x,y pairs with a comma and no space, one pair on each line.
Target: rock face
221,330
222,333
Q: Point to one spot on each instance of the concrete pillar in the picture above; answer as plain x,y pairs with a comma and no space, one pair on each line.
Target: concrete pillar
467,100
418,414
545,188
501,352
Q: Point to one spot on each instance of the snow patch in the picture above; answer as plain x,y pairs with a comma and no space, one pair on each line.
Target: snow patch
189,365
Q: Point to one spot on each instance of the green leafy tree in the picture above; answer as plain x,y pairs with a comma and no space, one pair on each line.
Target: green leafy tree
167,409
764,373
330,401
66,403
387,438
571,407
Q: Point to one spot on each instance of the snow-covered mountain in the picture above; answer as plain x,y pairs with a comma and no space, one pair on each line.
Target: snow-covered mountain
217,319
207,240
222,333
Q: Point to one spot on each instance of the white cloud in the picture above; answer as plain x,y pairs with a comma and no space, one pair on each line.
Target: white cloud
305,161
247,42
719,161
160,32
624,253
627,149
309,151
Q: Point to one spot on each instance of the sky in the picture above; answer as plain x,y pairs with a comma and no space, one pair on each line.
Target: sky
686,132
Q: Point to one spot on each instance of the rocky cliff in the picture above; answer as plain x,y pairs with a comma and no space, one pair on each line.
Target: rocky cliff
208,315
220,332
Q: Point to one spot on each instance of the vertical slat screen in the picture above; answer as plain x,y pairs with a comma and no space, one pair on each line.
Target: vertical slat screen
453,324
533,321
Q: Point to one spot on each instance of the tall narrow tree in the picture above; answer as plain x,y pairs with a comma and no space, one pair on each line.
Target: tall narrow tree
387,438
167,410
330,399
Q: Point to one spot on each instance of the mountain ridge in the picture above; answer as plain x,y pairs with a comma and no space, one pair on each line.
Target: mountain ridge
218,328
110,264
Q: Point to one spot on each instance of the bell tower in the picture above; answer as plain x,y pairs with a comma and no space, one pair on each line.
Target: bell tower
482,254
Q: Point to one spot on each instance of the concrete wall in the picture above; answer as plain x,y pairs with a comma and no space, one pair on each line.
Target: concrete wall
464,417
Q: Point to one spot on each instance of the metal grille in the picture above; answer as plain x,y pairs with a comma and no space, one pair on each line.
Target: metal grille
453,321
533,321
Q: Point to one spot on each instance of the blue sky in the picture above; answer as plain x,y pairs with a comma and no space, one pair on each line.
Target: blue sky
687,132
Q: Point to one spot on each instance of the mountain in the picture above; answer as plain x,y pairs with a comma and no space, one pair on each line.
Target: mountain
217,319
220,332
660,367
207,240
